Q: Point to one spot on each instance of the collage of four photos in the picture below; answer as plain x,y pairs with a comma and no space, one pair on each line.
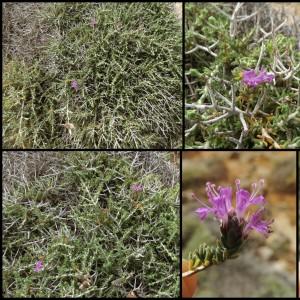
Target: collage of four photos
150,149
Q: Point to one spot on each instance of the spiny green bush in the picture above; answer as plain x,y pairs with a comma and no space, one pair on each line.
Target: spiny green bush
77,212
218,50
126,60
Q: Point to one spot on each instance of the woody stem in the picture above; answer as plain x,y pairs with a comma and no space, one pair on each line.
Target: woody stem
196,270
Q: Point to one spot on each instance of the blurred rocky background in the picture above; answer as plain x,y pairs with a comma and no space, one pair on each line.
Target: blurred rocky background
266,267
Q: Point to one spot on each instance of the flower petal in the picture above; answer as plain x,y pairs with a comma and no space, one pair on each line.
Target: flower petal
203,212
258,200
226,195
242,202
220,200
252,79
256,222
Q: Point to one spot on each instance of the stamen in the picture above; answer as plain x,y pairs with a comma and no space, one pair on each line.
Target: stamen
256,188
210,189
213,187
248,216
197,199
238,183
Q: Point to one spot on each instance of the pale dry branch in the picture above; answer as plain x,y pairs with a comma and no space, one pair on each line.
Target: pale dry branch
208,50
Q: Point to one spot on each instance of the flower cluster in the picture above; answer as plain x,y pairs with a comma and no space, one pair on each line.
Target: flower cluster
252,79
74,85
38,266
136,187
235,225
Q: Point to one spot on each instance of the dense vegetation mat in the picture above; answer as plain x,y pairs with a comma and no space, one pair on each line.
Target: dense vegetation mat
242,76
73,225
97,75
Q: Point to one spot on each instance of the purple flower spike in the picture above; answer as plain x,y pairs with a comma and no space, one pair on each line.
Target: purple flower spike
234,219
136,187
74,85
38,266
252,79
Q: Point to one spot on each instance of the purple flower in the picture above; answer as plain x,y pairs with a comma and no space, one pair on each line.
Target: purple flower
93,23
74,85
233,220
38,266
252,79
257,223
136,187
